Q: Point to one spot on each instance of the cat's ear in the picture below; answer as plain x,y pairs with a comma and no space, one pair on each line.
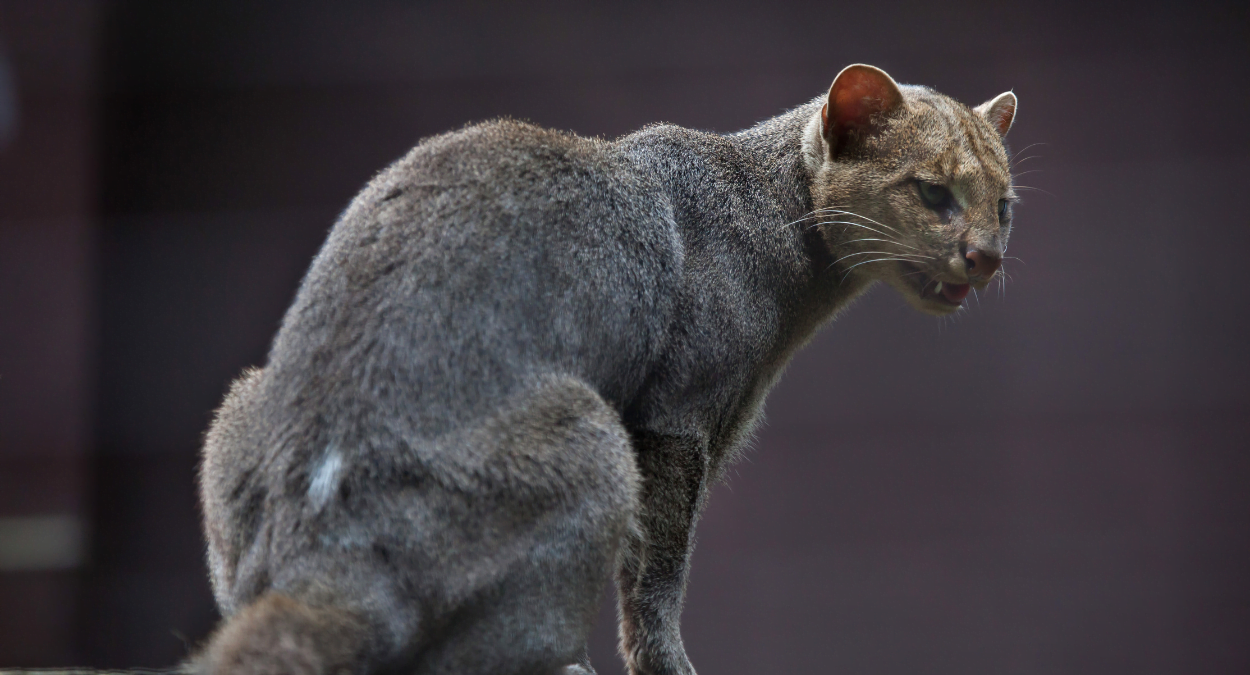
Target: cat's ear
859,101
999,111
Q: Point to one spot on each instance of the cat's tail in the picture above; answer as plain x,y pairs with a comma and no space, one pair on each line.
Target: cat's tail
279,635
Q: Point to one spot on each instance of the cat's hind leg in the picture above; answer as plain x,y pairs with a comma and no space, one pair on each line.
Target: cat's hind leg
483,551
543,515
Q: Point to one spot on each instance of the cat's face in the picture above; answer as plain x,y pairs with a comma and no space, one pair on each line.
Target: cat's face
911,187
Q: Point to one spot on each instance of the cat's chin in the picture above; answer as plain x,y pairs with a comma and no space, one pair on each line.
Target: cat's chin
933,306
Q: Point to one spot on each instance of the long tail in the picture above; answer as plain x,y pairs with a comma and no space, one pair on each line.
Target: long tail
279,635
276,635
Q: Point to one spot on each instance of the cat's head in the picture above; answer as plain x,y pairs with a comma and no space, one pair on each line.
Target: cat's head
911,187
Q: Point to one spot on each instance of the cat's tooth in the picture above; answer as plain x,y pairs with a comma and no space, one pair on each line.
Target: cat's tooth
937,289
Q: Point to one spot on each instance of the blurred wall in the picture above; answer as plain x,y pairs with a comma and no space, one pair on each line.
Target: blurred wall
1052,482
48,164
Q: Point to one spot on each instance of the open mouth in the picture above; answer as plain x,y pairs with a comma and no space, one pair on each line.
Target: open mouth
943,292
951,294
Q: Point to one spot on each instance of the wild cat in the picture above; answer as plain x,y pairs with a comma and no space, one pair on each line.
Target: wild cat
522,357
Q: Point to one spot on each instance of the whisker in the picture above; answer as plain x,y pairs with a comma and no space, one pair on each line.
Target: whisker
848,270
809,214
852,255
796,222
834,210
889,241
851,213
849,223
1021,151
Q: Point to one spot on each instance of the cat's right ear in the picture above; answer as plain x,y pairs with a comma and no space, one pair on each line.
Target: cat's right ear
860,99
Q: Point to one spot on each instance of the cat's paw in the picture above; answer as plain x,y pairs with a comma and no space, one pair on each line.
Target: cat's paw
660,664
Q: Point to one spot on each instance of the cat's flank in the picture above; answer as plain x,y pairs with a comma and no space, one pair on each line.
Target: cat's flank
522,358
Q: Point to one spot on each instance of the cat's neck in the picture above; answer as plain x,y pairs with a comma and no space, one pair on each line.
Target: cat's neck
777,146
783,149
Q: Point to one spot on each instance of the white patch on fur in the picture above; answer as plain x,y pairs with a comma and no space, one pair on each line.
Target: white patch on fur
325,478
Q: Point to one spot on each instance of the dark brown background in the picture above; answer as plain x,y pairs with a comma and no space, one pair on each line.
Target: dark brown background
1054,482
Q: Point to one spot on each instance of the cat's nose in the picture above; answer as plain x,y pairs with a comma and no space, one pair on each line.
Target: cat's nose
982,264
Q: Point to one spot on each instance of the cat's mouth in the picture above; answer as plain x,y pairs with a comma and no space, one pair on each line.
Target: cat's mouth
942,292
952,294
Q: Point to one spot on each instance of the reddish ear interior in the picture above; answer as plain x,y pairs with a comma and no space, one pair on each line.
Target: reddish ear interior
859,97
1000,112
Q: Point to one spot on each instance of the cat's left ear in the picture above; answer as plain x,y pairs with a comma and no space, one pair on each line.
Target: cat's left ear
999,111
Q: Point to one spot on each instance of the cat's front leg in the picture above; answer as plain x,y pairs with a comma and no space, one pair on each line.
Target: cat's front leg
655,561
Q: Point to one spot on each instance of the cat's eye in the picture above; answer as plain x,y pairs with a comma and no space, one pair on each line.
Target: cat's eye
935,196
1002,210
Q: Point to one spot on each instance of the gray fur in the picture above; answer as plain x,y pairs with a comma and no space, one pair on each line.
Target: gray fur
518,363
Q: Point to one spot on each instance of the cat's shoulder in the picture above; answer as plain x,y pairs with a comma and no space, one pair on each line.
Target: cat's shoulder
666,138
506,141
